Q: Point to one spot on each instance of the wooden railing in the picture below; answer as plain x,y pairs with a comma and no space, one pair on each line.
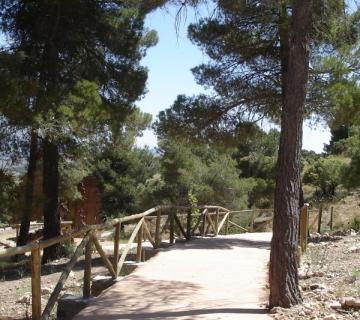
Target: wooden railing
181,222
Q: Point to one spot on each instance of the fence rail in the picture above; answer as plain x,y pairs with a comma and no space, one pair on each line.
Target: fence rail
180,222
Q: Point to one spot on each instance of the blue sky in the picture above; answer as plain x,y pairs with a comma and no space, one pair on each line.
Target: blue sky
169,64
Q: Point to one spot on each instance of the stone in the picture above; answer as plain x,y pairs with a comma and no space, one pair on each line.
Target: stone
354,250
72,274
100,283
352,232
335,305
329,317
46,290
357,303
349,301
26,298
275,310
316,286
69,305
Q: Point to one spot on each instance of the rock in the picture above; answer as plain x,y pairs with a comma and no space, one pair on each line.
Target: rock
335,305
354,250
352,232
302,313
316,286
329,317
275,310
318,274
69,306
357,303
72,274
100,283
26,298
349,301
46,290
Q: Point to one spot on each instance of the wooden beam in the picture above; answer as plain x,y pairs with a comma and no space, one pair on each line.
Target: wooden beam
87,270
59,286
172,227
116,247
197,225
139,242
216,224
304,228
148,234
157,229
235,224
331,218
223,221
320,218
178,222
104,258
128,245
188,224
204,215
211,222
36,284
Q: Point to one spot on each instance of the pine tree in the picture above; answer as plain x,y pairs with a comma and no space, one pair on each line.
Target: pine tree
63,46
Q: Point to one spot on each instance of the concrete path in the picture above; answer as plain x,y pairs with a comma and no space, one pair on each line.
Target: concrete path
206,278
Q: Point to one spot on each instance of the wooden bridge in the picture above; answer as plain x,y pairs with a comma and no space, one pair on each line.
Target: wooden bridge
213,260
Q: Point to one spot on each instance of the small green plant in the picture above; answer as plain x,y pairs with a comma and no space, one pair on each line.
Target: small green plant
69,248
356,224
21,271
193,202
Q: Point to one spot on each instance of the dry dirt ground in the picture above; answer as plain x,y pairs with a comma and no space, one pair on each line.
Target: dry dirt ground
330,274
15,283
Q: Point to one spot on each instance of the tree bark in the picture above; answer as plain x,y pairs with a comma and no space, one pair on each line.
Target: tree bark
51,194
29,191
283,276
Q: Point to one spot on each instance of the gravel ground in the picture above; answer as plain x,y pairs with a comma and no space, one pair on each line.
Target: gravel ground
330,280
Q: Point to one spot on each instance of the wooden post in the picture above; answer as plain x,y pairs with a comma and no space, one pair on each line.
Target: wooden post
157,229
252,222
36,284
139,243
319,219
172,227
87,270
204,215
304,212
331,218
116,246
227,225
188,224
216,222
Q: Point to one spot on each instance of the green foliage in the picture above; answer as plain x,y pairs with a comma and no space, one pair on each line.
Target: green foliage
247,45
326,174
8,196
209,175
356,224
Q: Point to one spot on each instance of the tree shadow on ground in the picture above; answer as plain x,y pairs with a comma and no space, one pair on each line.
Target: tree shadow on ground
220,243
140,298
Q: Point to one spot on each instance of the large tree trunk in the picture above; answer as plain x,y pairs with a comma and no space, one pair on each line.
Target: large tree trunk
29,191
283,276
51,193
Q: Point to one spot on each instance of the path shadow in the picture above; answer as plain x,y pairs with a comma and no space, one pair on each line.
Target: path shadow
141,298
220,243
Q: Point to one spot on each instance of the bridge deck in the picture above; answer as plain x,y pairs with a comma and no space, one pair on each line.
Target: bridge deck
206,278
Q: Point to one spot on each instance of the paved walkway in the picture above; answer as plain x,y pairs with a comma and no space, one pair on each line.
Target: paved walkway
207,278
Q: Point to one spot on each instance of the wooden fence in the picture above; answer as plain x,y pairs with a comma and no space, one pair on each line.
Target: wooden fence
153,225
